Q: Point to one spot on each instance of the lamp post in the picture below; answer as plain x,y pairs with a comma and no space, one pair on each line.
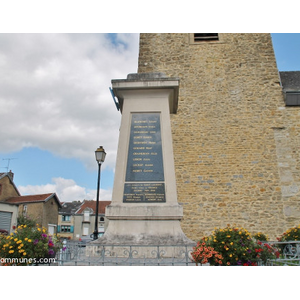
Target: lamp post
100,157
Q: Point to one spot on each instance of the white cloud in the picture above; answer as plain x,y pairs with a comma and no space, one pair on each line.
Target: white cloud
54,92
66,189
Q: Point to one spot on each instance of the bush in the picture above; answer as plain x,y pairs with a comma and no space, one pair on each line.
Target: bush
292,234
27,245
236,247
259,236
203,254
26,220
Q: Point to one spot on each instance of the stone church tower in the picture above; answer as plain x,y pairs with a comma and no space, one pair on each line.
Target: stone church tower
236,144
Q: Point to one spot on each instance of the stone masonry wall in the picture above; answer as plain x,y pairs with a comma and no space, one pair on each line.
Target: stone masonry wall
233,137
7,189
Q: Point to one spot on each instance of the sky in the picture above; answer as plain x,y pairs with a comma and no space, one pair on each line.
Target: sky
56,108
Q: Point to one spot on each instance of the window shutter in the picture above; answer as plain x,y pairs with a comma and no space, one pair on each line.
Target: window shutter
58,228
72,229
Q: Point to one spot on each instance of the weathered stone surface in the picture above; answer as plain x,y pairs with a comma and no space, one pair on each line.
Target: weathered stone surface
236,145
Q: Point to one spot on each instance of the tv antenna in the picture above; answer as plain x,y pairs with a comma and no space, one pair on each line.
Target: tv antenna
8,161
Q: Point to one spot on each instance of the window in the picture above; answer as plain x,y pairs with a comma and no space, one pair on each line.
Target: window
200,37
51,229
65,228
292,99
25,210
85,230
66,218
101,219
86,216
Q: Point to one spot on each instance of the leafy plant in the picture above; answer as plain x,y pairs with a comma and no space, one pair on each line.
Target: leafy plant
27,245
26,220
259,236
292,234
236,247
203,254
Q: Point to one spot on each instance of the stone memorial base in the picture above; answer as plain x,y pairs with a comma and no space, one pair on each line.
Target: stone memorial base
144,210
143,226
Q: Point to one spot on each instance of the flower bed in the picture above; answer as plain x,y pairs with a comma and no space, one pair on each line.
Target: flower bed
27,245
233,246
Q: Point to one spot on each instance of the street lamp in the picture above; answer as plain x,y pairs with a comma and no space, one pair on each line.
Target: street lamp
100,157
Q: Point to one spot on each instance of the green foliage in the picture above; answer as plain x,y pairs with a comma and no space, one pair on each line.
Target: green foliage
237,247
203,254
25,220
292,234
259,236
27,245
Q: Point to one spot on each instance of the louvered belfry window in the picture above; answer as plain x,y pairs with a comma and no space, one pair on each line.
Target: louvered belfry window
199,37
292,99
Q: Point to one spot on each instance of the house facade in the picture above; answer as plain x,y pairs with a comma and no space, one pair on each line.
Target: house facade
43,208
7,186
76,220
66,219
8,212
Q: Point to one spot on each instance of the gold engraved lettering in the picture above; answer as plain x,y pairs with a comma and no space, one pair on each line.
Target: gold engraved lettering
141,153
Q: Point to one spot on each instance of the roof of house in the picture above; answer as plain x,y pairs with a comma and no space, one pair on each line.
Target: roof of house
92,205
9,174
33,199
69,208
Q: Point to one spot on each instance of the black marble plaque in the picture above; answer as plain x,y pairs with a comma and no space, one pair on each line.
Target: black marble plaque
144,192
145,161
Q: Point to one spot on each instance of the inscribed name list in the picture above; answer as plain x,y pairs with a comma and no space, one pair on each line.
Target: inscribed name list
145,162
144,181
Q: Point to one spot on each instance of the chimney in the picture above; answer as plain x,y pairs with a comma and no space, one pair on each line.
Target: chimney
11,175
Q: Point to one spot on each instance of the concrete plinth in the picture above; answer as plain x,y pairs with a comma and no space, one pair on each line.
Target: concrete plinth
144,208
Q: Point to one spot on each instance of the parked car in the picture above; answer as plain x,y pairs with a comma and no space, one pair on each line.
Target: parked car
84,240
